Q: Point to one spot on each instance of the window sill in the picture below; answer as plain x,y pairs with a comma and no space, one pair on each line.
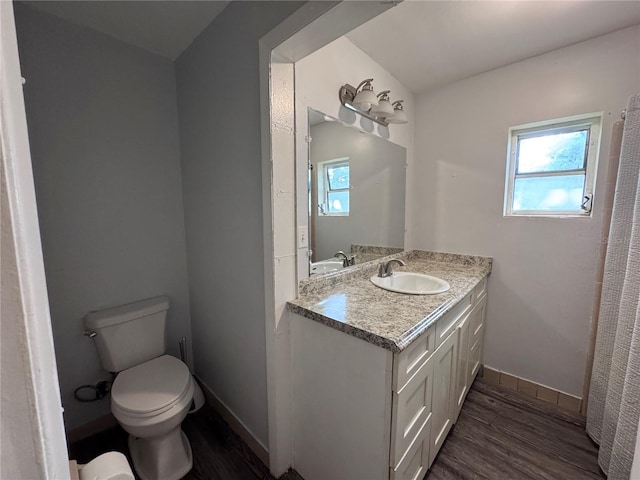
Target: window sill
547,215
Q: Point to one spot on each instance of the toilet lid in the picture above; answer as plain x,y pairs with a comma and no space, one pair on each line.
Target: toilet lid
151,386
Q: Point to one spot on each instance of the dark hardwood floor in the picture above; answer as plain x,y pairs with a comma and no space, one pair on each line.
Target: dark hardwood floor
218,453
503,435
499,435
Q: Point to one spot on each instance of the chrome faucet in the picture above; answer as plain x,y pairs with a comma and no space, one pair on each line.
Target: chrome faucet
346,261
385,269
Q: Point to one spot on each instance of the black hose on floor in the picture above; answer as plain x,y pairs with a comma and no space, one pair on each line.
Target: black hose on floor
99,391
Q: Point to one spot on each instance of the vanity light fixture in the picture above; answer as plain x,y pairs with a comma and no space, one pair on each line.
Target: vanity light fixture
384,108
398,116
365,97
379,108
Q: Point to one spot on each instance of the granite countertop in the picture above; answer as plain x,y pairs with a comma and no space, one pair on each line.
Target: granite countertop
349,302
367,253
367,257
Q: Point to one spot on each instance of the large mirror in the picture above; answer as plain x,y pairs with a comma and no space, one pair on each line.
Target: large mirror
356,195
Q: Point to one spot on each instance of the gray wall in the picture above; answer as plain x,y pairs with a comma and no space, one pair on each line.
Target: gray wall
103,130
376,197
219,110
544,270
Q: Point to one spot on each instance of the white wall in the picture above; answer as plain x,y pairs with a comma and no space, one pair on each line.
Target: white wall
542,285
32,441
103,130
318,77
376,196
219,110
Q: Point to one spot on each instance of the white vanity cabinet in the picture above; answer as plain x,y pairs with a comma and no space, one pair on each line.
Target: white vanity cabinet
361,412
470,341
426,373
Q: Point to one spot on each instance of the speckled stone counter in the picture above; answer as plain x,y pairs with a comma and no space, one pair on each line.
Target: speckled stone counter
367,253
349,302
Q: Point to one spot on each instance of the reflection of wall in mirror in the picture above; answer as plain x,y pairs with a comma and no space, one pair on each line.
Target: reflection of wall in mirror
377,191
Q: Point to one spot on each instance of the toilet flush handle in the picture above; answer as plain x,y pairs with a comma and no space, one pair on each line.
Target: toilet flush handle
89,333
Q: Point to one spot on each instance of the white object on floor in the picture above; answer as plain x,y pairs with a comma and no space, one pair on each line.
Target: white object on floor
108,466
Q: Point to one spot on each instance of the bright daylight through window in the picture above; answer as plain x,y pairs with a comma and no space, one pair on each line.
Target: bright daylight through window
333,187
552,166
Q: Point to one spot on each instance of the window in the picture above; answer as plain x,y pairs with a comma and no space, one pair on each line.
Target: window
333,187
551,167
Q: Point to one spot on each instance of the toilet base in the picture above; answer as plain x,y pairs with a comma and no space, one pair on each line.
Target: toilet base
167,457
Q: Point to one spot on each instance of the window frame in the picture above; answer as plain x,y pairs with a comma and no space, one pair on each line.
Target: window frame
324,186
592,122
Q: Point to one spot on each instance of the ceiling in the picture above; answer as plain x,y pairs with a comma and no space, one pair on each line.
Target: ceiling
163,27
424,44
427,44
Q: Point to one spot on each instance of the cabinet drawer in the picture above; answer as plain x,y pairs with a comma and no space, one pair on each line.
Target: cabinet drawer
446,324
409,361
415,463
411,411
480,290
477,320
476,334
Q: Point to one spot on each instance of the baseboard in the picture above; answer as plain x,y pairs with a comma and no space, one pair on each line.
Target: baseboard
532,389
100,424
235,423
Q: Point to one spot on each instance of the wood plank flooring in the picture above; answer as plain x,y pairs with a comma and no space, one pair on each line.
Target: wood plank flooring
218,453
503,435
500,435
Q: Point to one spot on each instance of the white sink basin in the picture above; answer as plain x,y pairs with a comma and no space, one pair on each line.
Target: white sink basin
411,283
326,266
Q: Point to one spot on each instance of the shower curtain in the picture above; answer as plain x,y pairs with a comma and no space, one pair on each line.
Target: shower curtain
614,397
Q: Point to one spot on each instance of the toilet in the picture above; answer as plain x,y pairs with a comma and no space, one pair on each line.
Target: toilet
152,391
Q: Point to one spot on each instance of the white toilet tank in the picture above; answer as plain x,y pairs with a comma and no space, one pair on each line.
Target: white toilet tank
130,334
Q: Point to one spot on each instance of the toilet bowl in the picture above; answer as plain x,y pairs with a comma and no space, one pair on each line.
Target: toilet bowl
150,401
152,391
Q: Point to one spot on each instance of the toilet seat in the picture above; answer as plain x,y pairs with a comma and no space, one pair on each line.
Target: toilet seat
152,387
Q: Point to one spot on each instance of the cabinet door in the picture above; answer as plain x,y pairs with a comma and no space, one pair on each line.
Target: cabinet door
462,370
444,386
